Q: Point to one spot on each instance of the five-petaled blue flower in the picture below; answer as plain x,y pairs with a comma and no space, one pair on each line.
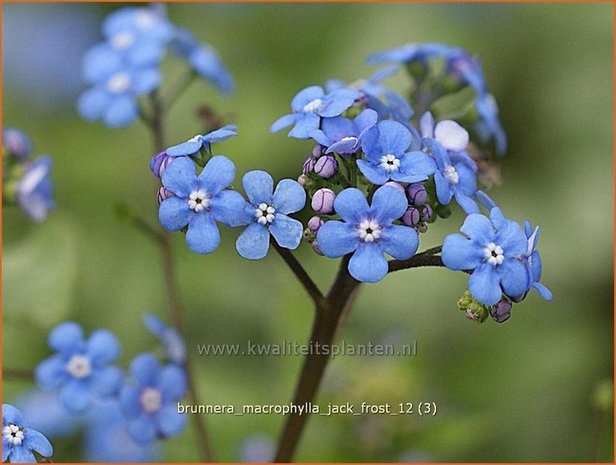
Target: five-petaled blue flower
343,136
203,59
35,190
310,105
495,249
386,158
19,441
453,179
266,213
171,339
195,144
200,201
116,86
367,232
149,402
81,368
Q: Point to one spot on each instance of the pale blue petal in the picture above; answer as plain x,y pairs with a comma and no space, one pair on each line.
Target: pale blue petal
37,442
460,254
370,144
142,429
467,203
283,122
217,174
106,381
368,264
221,134
253,243
515,277
366,119
351,205
512,239
11,415
286,231
484,284
92,103
66,337
336,239
400,242
170,422
289,196
414,167
75,396
374,174
479,229
320,137
349,145
228,207
426,125
21,454
172,383
103,347
497,217
451,136
121,111
394,137
144,369
51,373
179,177
202,236
338,127
304,125
5,449
443,189
258,186
338,101
485,200
388,204
129,400
186,148
146,80
174,213
543,291
306,96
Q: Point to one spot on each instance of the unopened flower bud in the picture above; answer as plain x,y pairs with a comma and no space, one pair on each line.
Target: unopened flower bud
316,248
395,185
323,201
16,143
422,228
317,151
426,213
308,165
315,223
473,309
502,310
163,194
411,217
417,195
326,166
159,163
302,179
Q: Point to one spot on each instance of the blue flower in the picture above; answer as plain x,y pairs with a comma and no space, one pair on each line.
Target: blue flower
203,58
195,144
467,69
149,401
411,52
18,441
489,125
450,135
140,34
81,368
310,105
45,413
368,232
495,250
116,86
35,191
343,136
534,263
200,201
171,339
107,439
453,179
16,143
386,158
266,213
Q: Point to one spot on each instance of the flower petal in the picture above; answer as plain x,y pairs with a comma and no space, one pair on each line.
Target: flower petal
543,291
258,186
51,373
305,96
170,422
202,236
172,383
451,135
511,238
75,396
144,368
217,174
92,103
484,284
11,415
373,173
283,122
66,337
103,347
388,204
174,214
467,203
37,442
21,454
479,229
228,207
336,238
414,167
368,264
426,125
129,400
106,380
351,205
394,137
515,277
289,197
186,148
400,242
253,243
179,177
121,111
305,123
142,429
287,231
460,253
443,189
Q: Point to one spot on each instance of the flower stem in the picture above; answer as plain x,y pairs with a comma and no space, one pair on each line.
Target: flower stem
18,374
426,258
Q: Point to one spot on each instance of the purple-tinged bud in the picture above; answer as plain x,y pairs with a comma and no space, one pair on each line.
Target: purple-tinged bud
417,195
395,185
308,165
316,248
317,151
411,217
501,311
163,194
315,223
302,179
426,213
159,163
323,201
326,166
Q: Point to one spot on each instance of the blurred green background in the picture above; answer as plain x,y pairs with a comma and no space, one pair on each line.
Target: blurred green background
520,391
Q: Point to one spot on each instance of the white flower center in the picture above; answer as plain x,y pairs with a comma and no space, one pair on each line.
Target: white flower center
494,254
123,40
369,230
265,214
389,163
145,19
151,400
13,434
314,106
451,174
198,200
118,83
79,366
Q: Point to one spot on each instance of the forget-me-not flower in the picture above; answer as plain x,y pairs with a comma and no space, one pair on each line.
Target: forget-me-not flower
343,136
386,158
266,213
495,249
195,144
368,232
200,201
149,402
81,368
35,190
171,339
19,441
310,105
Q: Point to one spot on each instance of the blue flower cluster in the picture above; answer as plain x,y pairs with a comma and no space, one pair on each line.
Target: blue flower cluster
82,387
19,442
126,65
26,180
